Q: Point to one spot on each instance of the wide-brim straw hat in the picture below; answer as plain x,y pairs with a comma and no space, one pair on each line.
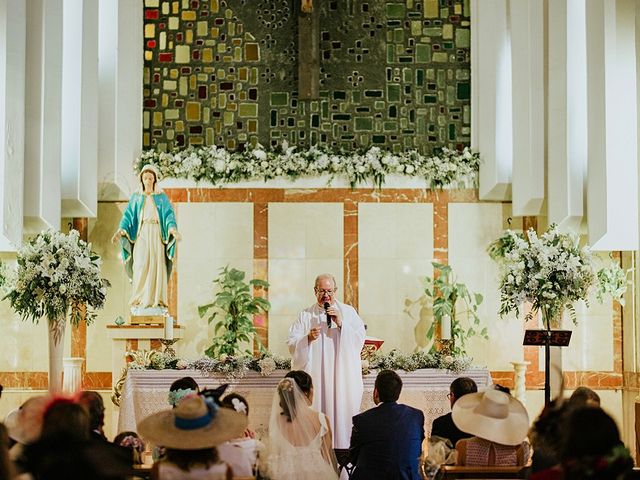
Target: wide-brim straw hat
192,425
492,415
149,167
24,424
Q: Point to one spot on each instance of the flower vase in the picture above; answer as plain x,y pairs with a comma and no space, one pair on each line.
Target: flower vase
56,352
552,318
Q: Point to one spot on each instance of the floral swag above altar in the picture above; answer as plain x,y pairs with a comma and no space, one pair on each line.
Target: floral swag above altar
219,166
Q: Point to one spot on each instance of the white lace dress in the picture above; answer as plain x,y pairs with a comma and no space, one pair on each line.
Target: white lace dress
290,462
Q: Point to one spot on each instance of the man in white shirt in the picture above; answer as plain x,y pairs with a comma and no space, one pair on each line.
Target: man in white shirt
325,341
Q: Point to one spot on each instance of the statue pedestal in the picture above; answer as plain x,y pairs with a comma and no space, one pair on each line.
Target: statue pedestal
146,319
135,337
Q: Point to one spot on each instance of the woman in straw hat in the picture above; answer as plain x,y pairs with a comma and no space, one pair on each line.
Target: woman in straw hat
147,234
499,423
299,446
190,433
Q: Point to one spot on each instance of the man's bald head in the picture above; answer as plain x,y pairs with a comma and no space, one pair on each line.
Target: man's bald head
325,276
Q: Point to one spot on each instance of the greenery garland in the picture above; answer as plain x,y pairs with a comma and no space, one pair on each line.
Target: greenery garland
265,364
219,166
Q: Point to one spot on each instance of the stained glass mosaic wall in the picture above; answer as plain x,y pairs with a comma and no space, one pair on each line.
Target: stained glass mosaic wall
224,72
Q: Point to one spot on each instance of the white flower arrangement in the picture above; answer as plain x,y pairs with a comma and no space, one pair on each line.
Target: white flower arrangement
219,166
551,271
56,275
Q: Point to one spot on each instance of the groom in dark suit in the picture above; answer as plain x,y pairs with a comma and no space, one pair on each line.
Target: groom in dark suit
386,441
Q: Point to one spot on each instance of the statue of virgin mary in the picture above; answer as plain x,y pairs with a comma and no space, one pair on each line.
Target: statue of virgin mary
148,233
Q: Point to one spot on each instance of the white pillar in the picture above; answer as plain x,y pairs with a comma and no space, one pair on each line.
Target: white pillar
12,97
80,109
491,98
519,391
567,112
43,123
120,84
612,183
72,376
528,100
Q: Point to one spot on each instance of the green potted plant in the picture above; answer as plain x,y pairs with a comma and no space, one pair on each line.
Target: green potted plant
233,308
452,298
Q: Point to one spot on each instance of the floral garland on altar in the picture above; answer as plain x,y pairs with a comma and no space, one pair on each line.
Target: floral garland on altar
266,363
219,166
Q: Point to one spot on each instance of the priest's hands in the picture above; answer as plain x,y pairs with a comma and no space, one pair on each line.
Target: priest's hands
336,316
313,334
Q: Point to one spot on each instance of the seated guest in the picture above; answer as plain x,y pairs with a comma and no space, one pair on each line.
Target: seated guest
443,426
65,449
584,397
386,441
93,403
25,426
300,442
591,449
499,424
181,388
240,453
190,433
546,435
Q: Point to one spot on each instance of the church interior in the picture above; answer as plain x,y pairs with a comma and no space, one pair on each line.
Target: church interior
376,140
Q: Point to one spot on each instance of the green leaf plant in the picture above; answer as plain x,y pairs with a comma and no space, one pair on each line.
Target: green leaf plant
232,311
451,297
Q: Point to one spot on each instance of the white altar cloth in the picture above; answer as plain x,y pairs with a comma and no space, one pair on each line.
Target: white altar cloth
145,392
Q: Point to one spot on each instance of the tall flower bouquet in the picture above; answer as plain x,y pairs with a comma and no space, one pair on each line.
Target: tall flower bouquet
551,271
57,275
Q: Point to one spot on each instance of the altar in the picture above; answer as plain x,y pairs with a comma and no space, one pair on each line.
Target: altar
145,392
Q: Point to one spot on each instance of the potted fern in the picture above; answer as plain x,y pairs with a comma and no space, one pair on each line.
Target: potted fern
452,298
233,309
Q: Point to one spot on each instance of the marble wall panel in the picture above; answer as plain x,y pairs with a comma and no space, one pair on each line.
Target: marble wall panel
591,345
305,239
472,227
213,235
395,251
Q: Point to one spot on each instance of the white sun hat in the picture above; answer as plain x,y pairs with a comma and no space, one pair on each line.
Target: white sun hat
492,415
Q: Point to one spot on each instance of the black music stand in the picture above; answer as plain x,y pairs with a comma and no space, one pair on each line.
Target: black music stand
548,339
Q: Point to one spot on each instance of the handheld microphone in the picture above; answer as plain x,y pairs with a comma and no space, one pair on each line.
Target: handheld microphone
326,307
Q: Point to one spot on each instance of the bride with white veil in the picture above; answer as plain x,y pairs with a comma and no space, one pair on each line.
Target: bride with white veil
299,445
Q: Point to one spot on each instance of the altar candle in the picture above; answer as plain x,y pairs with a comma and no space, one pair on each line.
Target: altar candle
445,333
168,328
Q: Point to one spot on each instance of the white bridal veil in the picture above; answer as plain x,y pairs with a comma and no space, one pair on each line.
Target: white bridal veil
299,445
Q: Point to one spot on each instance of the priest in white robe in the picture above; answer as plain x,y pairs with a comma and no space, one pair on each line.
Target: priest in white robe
330,353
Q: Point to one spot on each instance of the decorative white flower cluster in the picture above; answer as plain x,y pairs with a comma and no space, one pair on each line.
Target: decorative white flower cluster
219,166
551,271
397,360
57,273
237,366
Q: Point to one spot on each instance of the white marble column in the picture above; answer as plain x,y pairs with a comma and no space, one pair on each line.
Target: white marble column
491,97
120,87
612,204
528,101
12,115
43,120
80,109
567,112
72,376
